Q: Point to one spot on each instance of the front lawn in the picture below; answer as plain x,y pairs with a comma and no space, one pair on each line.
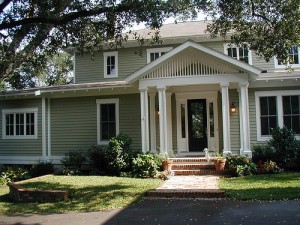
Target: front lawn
88,193
262,187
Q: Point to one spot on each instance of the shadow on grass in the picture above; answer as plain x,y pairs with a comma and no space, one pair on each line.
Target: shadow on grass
90,198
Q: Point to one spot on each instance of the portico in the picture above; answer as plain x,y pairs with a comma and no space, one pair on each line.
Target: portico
186,93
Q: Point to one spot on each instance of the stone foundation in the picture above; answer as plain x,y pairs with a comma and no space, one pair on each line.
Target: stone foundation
19,194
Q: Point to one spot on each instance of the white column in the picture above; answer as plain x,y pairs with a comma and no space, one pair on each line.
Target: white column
169,145
245,119
44,145
49,127
162,119
152,123
241,125
226,119
144,119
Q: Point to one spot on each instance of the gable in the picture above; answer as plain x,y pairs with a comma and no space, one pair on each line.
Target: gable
192,59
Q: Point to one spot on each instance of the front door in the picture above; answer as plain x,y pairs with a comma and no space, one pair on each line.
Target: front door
197,125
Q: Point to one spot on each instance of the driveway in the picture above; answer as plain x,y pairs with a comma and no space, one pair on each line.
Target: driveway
175,212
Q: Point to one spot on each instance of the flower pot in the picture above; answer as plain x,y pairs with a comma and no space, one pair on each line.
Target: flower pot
167,164
220,164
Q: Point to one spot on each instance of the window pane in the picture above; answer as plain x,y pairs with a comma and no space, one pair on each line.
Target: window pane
272,105
272,123
286,104
111,130
295,104
268,115
104,131
264,126
183,120
104,112
107,121
296,124
211,119
111,112
264,106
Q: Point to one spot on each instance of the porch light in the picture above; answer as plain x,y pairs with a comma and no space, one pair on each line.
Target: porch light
233,108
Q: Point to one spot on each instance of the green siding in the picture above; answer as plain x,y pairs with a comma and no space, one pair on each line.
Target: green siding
234,123
22,147
74,122
90,68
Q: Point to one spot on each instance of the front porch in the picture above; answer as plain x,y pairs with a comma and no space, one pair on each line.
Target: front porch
186,96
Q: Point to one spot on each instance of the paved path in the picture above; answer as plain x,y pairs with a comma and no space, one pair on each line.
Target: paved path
175,212
191,182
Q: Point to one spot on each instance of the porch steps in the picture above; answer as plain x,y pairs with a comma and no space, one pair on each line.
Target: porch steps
194,166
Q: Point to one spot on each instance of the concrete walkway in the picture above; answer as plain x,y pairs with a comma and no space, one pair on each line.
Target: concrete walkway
191,182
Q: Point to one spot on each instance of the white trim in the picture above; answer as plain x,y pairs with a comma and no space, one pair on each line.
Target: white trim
44,143
229,45
106,101
49,127
157,50
278,95
226,119
293,66
152,123
108,54
169,143
144,119
162,119
144,70
20,110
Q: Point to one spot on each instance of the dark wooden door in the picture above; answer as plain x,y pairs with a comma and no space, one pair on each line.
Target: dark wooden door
197,125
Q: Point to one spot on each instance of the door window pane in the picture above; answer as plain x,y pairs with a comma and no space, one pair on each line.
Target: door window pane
211,120
183,120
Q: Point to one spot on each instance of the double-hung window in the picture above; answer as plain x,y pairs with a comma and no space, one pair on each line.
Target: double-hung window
277,108
107,119
110,64
240,53
294,60
155,53
19,123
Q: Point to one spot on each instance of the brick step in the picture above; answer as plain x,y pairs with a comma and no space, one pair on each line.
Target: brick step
186,193
189,160
200,172
192,166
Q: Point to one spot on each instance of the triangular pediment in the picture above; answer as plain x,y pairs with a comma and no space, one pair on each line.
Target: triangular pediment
192,59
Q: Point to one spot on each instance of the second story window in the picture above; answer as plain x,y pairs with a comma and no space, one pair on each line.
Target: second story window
110,64
240,53
155,53
294,59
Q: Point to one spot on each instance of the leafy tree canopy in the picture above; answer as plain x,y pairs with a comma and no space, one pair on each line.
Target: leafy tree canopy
31,31
270,27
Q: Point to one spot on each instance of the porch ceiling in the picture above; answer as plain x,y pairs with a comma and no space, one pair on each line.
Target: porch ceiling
192,59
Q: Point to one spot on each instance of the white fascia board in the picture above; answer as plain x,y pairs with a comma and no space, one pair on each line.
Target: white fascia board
243,66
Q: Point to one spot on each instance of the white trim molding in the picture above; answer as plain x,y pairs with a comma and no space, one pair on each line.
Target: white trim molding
106,101
157,50
18,111
229,45
105,56
293,66
279,107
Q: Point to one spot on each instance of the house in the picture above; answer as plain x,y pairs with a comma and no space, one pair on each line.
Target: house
189,93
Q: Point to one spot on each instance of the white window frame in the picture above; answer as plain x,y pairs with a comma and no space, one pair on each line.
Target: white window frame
289,65
17,111
100,102
157,50
229,45
279,105
105,56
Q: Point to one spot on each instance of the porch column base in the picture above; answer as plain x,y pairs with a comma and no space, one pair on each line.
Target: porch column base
247,154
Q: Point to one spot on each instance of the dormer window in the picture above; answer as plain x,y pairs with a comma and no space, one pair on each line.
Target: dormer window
294,60
240,53
155,53
110,64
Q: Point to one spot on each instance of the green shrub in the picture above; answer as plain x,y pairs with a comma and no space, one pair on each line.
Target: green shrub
96,156
146,165
41,168
263,153
13,174
118,155
285,146
72,162
240,165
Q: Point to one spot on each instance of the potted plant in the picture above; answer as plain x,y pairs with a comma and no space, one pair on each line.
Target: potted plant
220,162
166,162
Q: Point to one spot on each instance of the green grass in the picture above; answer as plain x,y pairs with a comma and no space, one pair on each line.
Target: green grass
262,187
88,193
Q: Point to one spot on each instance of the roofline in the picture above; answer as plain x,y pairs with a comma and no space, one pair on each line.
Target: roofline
64,88
244,66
